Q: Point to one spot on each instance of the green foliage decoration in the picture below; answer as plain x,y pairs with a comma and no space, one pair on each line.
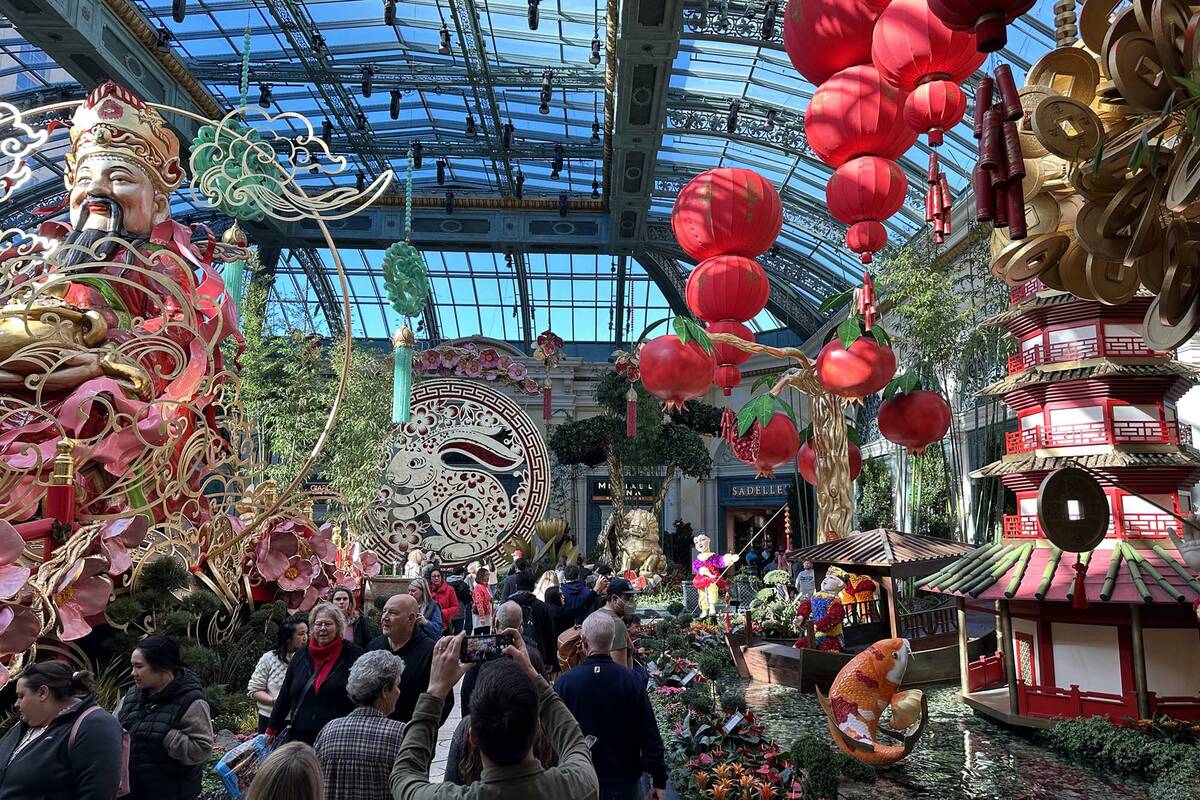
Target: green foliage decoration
874,503
405,279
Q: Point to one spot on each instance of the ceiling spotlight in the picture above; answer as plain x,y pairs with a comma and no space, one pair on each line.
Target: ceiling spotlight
533,14
557,164
769,13
394,108
417,147
471,131
562,204
361,121
441,172
544,106
520,183
360,181
596,130
594,58
595,190
506,137
264,95
178,10
326,131
508,261
731,121
449,202
367,78
444,46
389,12
772,118
162,41
318,46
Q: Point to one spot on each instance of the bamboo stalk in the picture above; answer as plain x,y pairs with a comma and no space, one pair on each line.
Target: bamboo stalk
1175,565
1135,572
1019,574
981,583
957,565
1144,564
962,581
1085,559
1110,577
1048,573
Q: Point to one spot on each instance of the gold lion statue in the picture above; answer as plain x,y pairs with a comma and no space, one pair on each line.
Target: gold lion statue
641,551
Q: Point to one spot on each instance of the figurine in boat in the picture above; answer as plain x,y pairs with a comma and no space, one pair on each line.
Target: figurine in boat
826,612
708,568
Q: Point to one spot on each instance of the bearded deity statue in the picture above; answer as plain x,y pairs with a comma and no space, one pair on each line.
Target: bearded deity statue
641,551
111,329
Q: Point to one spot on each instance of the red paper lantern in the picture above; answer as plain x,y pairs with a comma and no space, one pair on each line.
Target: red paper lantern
857,113
935,107
727,377
866,238
727,211
866,188
727,288
727,356
910,46
825,36
984,18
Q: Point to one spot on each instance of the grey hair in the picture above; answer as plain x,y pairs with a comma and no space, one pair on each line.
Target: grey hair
508,615
423,585
372,674
339,619
599,631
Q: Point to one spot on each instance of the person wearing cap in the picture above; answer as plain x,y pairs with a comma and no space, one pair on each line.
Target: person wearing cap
620,600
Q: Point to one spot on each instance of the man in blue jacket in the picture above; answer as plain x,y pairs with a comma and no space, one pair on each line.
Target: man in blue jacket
577,597
611,704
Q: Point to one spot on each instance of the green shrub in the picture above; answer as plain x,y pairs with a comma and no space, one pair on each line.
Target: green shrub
698,697
675,608
823,765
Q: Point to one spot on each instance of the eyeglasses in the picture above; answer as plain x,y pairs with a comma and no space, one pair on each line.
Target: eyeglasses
324,624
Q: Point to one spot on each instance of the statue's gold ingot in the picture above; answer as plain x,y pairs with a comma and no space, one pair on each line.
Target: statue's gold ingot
46,319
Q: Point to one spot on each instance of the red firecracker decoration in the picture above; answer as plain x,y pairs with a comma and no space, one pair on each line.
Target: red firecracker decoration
825,36
727,211
857,113
1079,599
984,18
866,188
727,287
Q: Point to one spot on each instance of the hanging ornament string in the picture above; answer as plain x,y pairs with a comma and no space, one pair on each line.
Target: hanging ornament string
408,199
245,84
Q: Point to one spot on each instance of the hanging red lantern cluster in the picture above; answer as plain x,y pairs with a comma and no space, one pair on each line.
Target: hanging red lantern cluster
857,113
724,218
984,18
825,36
999,198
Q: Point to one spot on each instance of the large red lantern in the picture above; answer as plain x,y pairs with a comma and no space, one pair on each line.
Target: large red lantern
727,356
935,107
857,113
825,36
727,288
911,46
984,18
866,238
866,188
727,211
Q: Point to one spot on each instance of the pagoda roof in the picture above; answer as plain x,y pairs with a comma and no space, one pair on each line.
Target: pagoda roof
1178,456
1049,299
1117,572
899,554
1097,368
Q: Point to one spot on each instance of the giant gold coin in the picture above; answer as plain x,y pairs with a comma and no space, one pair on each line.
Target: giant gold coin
1035,174
1051,277
1072,271
1151,270
1035,256
1030,97
1183,185
1168,27
1071,71
1041,214
1111,282
1068,209
1067,128
1162,337
1094,21
999,265
1089,233
1181,270
1147,231
1135,67
1123,21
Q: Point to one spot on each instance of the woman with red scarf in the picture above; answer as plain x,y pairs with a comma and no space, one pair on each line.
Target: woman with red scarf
314,688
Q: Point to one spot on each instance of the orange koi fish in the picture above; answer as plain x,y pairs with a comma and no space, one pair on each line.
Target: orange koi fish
862,691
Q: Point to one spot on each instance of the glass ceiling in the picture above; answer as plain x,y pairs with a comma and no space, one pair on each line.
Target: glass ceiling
422,89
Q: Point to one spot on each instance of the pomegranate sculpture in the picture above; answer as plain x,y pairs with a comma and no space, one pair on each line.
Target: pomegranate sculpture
855,363
912,417
806,461
760,435
677,368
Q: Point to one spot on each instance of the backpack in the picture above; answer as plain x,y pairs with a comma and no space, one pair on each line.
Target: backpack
123,784
570,647
462,591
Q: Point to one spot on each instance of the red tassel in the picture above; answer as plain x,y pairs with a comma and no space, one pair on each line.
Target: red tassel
1079,592
631,413
547,392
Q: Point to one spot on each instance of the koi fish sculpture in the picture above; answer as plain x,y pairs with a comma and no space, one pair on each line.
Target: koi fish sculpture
860,694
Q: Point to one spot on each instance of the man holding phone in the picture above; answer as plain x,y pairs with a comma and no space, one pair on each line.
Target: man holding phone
510,700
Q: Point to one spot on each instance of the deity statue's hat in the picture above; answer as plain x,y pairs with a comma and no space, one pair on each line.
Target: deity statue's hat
838,573
115,123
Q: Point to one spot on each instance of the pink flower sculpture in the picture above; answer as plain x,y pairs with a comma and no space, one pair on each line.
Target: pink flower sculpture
504,363
81,591
430,360
450,358
321,542
529,386
19,626
117,536
489,358
471,368
517,371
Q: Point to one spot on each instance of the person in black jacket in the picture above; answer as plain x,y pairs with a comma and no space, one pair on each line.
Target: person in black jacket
37,758
611,704
520,567
402,636
168,722
535,614
577,596
358,628
562,616
314,688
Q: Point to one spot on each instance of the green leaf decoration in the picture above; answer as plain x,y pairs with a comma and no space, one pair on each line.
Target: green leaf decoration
848,331
852,436
1191,85
688,331
902,384
1099,156
1139,152
787,409
405,279
830,303
759,409
881,336
806,434
763,381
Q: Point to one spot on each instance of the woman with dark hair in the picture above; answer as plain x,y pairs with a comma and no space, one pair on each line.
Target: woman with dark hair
168,722
358,629
65,747
314,688
264,684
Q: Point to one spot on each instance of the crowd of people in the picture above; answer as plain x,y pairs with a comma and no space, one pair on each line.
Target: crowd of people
355,715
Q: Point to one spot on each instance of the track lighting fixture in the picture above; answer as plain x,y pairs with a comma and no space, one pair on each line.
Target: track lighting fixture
508,261
544,107
596,130
318,46
731,121
444,46
360,181
506,137
441,172
449,202
595,189
361,121
368,78
769,14
326,131
389,12
162,41
547,83
394,108
562,204
594,58
264,95
471,131
557,164
417,147
178,10
520,183
772,117
533,14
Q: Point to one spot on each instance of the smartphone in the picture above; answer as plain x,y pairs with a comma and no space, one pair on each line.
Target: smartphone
477,649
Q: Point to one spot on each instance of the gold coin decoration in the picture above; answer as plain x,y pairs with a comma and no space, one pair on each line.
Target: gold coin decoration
1067,128
1069,71
1111,282
1035,256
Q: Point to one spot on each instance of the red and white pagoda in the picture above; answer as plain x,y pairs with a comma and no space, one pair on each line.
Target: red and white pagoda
1087,392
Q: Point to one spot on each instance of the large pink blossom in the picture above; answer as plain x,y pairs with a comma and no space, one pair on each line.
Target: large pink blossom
430,360
81,591
19,626
117,536
450,358
321,543
471,368
489,358
517,371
